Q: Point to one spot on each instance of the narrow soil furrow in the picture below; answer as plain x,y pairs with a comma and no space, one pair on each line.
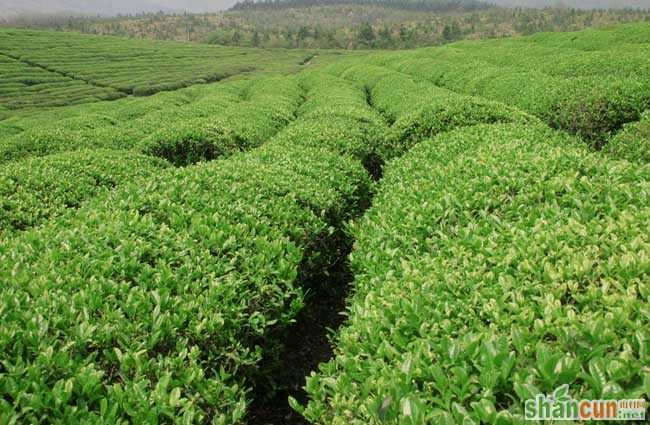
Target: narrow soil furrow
306,345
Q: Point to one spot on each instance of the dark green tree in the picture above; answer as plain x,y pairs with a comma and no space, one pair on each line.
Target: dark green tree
385,37
366,35
236,37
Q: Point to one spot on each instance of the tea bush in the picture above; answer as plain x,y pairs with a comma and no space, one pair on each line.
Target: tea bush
633,142
26,87
220,122
497,262
418,110
244,124
158,301
41,142
154,302
63,68
500,258
36,190
590,107
336,116
590,92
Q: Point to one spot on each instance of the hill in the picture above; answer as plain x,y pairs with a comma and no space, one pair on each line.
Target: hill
343,26
44,69
447,5
578,4
14,8
421,5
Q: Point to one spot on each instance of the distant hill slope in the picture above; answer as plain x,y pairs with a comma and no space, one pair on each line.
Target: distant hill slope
10,8
371,24
13,8
447,5
579,4
422,5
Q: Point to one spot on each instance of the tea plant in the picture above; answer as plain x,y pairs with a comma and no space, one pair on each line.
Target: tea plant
336,115
497,262
418,110
220,122
36,190
500,258
162,297
633,142
589,91
86,68
24,86
154,302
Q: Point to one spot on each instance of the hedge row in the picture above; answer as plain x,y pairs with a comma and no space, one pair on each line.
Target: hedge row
157,302
36,190
152,303
591,39
119,110
95,125
621,59
139,67
419,109
270,105
336,116
633,142
215,125
25,86
592,107
498,262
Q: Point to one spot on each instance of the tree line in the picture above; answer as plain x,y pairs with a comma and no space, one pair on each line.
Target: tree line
342,26
417,5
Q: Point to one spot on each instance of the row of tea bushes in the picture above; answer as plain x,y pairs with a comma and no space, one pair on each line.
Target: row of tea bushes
497,262
228,119
118,110
117,124
158,301
215,128
29,87
140,67
633,142
122,111
38,189
590,89
623,59
592,107
418,110
337,116
611,38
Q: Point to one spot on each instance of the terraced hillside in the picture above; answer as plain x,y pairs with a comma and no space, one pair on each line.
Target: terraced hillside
43,69
178,258
25,86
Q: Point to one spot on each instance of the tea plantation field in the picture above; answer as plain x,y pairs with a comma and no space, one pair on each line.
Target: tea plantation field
43,69
483,207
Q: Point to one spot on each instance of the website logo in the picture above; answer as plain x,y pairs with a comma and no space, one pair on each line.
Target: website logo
561,406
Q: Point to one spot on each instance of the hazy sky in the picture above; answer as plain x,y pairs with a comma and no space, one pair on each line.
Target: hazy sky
110,7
